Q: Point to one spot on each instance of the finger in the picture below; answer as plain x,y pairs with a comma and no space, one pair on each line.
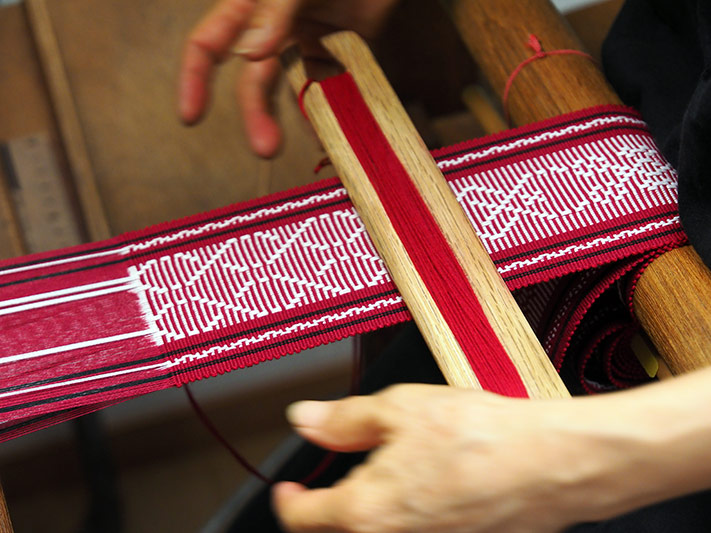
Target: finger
353,424
206,46
254,93
269,29
303,510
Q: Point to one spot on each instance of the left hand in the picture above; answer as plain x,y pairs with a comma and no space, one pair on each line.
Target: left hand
453,460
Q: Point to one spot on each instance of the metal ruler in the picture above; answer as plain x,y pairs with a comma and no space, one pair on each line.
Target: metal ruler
42,202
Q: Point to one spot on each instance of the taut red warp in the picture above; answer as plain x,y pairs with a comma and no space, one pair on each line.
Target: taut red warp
89,326
426,246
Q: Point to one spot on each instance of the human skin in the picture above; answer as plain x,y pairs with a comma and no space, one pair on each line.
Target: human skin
444,459
258,31
452,460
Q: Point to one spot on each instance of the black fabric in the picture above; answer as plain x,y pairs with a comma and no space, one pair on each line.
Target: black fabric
658,58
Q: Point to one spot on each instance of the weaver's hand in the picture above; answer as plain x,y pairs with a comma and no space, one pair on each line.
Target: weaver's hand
450,460
259,30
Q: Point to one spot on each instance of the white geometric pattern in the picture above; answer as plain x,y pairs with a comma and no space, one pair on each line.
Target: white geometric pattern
258,274
570,189
265,272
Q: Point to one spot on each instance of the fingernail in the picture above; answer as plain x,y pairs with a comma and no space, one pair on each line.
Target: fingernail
307,414
251,40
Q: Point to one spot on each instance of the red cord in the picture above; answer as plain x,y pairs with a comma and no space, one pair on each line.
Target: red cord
322,164
327,459
539,53
300,97
202,416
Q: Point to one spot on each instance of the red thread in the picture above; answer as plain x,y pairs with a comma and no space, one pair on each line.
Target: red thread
222,440
427,247
327,459
302,94
539,53
321,165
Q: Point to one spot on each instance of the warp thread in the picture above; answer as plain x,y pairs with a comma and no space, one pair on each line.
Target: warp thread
426,245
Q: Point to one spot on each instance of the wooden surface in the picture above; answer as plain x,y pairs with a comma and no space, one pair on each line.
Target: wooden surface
496,32
97,227
511,328
24,109
673,299
5,524
121,62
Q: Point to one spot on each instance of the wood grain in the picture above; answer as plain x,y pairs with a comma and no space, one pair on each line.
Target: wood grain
509,324
94,217
673,299
121,61
496,31
5,524
24,110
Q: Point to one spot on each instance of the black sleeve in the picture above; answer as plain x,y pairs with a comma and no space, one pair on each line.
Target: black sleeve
658,58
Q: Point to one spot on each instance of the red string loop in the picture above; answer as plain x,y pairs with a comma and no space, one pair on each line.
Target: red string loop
322,164
538,53
300,97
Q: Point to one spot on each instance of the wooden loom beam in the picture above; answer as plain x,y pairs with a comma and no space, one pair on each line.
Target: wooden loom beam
5,524
673,295
508,322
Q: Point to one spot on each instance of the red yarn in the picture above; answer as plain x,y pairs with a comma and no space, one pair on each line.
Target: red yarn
328,458
202,416
322,164
427,247
300,97
539,53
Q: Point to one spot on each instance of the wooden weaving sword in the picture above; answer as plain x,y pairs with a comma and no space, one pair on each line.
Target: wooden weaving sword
509,324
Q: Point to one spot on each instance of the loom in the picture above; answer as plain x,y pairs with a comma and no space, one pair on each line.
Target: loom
669,297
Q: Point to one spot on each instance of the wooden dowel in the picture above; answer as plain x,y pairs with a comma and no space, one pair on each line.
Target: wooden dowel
481,108
5,524
672,299
496,33
511,328
673,302
70,129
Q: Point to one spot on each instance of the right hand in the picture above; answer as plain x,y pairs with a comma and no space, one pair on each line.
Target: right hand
259,30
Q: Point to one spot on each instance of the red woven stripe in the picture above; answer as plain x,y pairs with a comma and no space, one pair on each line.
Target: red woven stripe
426,245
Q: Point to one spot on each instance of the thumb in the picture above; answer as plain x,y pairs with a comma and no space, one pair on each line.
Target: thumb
354,424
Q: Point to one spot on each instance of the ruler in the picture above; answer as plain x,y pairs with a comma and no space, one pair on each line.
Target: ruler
40,195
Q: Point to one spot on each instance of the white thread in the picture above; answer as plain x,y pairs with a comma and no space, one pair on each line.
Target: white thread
275,333
589,244
238,219
66,299
63,292
55,262
117,373
527,141
73,346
